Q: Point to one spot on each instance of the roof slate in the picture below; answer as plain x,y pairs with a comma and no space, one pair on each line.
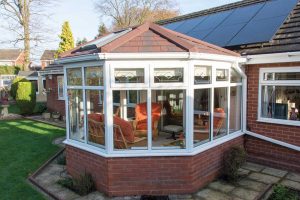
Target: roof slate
150,37
48,55
10,54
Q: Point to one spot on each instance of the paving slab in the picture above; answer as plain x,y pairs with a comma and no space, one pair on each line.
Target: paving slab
274,172
181,197
92,196
209,194
253,167
254,185
221,186
243,172
293,176
67,195
245,193
292,184
263,178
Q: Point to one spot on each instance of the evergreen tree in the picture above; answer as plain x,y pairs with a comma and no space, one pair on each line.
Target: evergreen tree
81,41
102,30
66,39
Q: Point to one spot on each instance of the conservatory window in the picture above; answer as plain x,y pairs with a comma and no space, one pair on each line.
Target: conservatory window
76,115
168,75
168,118
235,109
129,75
94,76
235,76
202,116
222,74
220,112
280,95
60,87
202,74
74,76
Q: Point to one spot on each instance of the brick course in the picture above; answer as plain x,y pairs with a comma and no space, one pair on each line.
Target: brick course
53,104
150,175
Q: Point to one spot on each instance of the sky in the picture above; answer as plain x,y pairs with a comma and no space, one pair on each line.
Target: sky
84,19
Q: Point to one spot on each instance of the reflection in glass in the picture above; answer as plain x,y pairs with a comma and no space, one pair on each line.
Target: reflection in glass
74,76
201,116
130,119
235,109
95,118
94,76
166,75
235,76
202,74
222,74
220,112
76,115
168,114
280,102
129,75
280,76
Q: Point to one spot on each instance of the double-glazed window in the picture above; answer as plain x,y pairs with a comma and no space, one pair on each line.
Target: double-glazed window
60,87
280,95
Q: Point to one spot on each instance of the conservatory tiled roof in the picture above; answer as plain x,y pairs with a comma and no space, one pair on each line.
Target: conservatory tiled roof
147,38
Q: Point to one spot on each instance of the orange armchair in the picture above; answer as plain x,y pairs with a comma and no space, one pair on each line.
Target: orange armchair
140,123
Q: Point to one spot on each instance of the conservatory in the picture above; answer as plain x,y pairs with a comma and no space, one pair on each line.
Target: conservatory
152,103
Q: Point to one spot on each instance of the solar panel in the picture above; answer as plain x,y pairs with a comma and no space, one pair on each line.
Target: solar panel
257,31
223,34
174,25
190,24
199,34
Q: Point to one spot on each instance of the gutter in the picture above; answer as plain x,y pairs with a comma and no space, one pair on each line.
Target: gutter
273,58
82,58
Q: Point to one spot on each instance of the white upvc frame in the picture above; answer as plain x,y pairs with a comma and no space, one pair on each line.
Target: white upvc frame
148,65
275,83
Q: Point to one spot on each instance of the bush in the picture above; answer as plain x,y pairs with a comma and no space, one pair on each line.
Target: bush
233,160
282,193
82,185
40,108
12,70
61,159
25,97
14,86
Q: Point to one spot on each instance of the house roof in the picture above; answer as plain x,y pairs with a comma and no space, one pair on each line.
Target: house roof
52,69
145,38
10,54
239,26
28,73
48,55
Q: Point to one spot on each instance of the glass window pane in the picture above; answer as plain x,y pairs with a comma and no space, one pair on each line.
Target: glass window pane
74,76
235,109
220,112
202,74
76,115
280,76
201,116
235,76
60,87
166,75
94,76
130,119
95,118
168,118
280,102
129,75
222,74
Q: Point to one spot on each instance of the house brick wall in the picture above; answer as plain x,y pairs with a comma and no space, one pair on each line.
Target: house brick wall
53,104
21,59
150,175
265,152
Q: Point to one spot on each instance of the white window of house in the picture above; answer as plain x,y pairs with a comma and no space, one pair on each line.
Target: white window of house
279,95
60,87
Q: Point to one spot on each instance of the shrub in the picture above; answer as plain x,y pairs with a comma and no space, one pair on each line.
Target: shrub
82,185
233,160
61,159
14,86
9,70
282,193
40,108
25,97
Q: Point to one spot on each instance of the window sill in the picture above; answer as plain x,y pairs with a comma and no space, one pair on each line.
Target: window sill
60,99
279,121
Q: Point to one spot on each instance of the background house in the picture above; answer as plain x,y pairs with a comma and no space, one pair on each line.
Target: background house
47,58
267,33
12,57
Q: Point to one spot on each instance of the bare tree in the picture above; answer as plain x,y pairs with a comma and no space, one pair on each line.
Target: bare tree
24,19
126,13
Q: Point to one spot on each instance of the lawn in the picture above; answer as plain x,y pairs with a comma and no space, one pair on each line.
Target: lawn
24,146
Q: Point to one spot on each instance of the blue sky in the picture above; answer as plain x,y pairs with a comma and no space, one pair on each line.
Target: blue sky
84,19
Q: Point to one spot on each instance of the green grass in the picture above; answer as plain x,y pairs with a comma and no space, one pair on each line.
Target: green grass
24,146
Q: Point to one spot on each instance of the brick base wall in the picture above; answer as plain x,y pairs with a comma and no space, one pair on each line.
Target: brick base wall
273,155
53,104
149,175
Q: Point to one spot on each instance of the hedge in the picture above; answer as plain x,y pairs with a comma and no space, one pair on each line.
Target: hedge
14,86
26,97
11,70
